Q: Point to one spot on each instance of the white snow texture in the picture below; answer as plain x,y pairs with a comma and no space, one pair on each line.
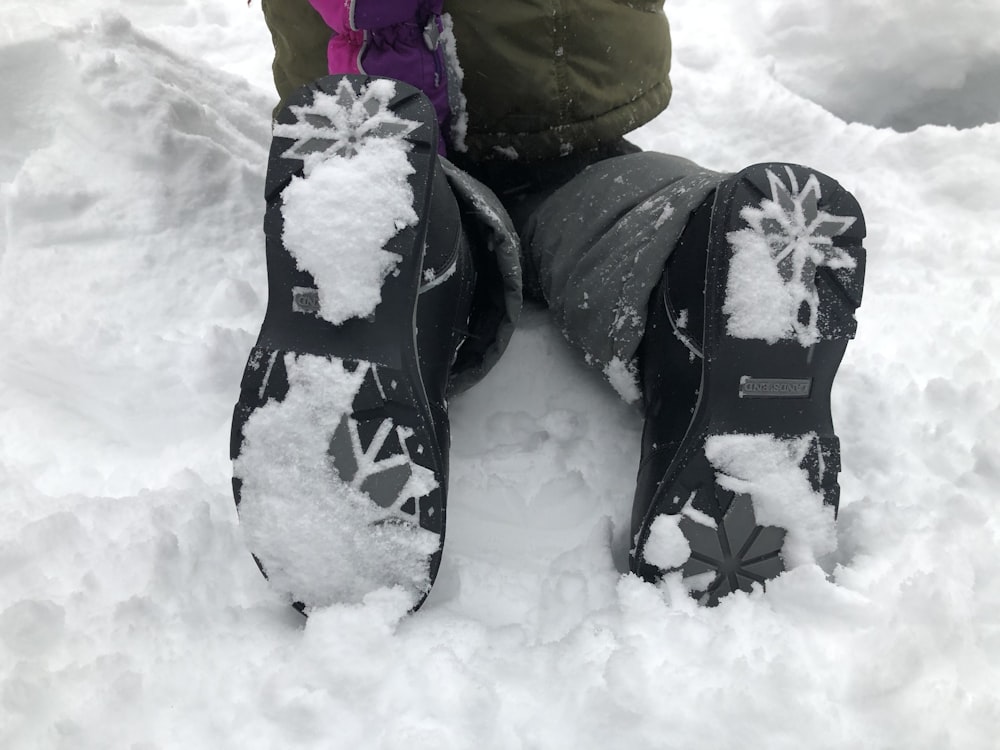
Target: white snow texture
328,229
772,271
770,470
132,286
299,516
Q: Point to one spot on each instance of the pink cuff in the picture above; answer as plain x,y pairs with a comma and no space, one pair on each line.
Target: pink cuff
342,52
336,13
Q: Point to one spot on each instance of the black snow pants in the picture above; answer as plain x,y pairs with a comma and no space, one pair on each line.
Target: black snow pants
587,235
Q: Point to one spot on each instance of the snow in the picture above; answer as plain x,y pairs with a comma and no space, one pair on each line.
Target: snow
131,288
770,470
299,516
771,274
323,207
623,378
664,216
667,548
333,235
456,99
939,68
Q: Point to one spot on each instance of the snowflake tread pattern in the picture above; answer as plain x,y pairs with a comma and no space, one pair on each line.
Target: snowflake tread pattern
737,553
381,450
779,225
812,248
372,449
371,452
339,124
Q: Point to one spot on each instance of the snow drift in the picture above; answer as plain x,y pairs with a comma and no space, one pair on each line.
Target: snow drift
131,287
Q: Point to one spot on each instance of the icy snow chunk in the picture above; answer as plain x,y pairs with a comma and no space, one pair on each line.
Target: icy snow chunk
320,538
772,274
758,302
770,470
623,378
353,198
338,221
666,548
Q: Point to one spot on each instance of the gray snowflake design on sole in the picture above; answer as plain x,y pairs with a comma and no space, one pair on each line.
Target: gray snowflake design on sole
340,124
732,555
798,238
372,456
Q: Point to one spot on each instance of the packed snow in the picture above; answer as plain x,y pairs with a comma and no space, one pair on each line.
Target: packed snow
624,378
324,230
770,470
299,516
772,272
132,285
667,548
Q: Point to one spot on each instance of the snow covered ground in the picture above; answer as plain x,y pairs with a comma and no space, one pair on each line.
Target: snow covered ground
131,287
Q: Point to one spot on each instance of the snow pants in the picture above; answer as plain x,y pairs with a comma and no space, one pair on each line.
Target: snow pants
588,236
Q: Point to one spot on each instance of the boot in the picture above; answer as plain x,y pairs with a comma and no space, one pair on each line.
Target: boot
746,331
340,436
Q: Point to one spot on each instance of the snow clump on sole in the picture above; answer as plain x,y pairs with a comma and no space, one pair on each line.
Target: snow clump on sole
769,469
318,538
345,141
772,275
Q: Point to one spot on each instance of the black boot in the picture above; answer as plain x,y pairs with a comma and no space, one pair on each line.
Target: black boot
746,331
340,437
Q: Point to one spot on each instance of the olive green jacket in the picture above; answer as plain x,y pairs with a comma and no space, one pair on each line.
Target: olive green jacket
542,78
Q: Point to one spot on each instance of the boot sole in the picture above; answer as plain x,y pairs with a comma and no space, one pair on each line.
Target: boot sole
382,453
777,391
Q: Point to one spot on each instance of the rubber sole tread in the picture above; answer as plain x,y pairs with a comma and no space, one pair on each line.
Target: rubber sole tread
734,552
389,430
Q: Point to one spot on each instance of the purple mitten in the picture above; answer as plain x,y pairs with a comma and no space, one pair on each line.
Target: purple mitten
391,39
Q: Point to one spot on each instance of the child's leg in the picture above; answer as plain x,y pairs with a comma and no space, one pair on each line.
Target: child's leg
726,302
596,247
